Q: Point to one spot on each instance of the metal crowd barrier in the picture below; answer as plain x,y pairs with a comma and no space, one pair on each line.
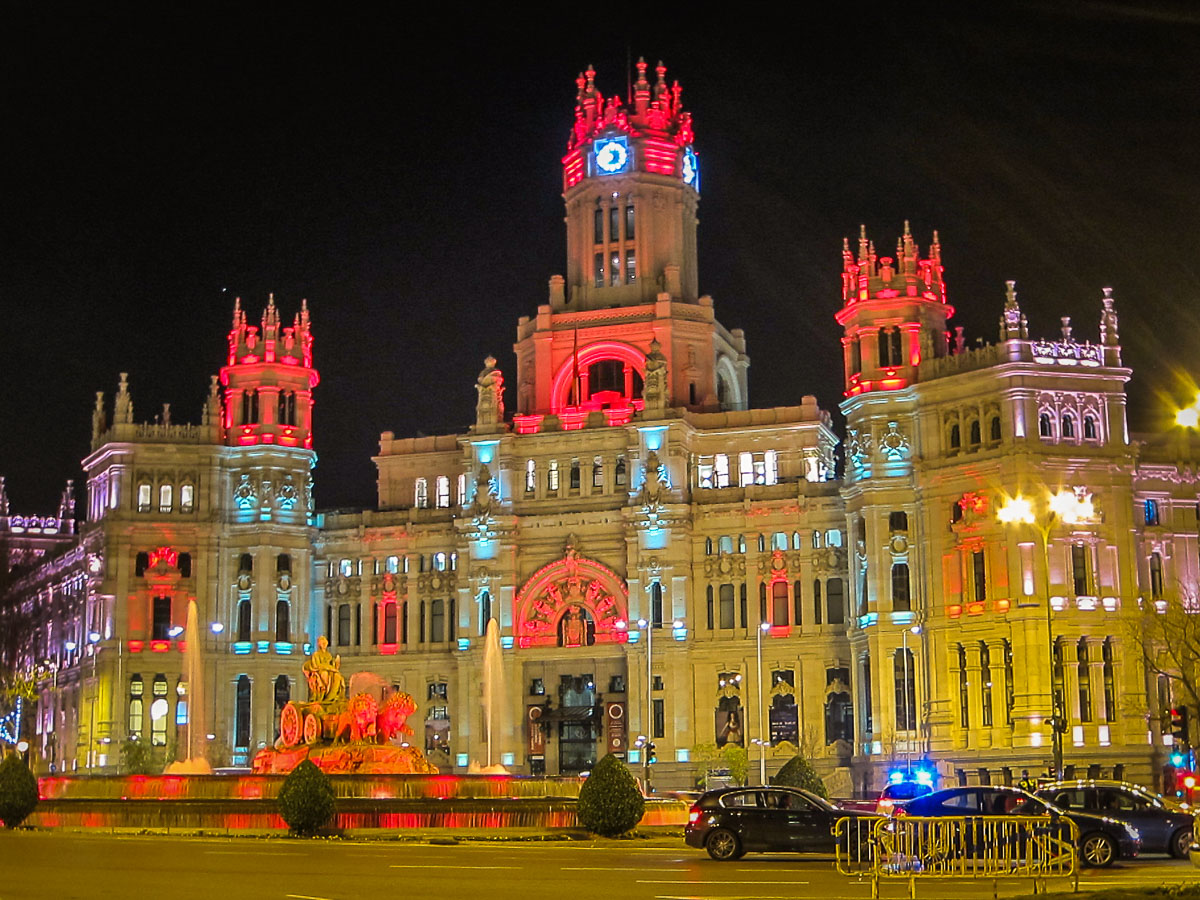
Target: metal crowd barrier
974,847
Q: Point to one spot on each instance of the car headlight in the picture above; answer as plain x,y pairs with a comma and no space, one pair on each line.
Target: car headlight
1133,832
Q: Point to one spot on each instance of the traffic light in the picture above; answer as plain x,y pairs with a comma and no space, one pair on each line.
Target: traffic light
650,754
1179,727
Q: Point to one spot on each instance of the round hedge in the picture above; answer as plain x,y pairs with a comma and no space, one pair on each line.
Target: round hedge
18,791
799,772
306,800
610,802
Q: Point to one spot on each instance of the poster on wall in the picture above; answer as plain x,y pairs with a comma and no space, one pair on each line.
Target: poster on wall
614,726
729,727
537,731
785,723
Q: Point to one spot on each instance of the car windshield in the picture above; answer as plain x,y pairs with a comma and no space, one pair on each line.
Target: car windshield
1030,806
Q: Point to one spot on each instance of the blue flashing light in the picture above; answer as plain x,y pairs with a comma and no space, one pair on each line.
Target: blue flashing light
924,776
506,642
284,648
896,777
1177,760
464,643
241,648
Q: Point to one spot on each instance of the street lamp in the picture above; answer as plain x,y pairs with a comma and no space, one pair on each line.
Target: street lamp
648,626
1068,507
915,629
763,627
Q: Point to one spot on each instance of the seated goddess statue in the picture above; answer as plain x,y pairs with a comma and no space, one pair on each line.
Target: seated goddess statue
323,672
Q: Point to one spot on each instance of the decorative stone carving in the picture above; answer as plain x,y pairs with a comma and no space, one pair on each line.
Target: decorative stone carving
244,495
893,443
724,564
654,385
489,408
858,446
573,601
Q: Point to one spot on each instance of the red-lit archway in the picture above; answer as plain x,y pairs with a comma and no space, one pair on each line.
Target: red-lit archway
572,590
578,364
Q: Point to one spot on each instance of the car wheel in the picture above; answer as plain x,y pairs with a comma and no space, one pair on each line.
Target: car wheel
1097,850
723,845
1181,842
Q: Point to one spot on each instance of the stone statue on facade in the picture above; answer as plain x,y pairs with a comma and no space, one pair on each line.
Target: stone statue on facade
489,408
654,384
323,672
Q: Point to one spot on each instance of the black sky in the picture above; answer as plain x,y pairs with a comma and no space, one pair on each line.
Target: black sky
404,177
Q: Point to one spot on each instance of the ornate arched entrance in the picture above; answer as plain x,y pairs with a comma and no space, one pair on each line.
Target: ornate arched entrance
572,602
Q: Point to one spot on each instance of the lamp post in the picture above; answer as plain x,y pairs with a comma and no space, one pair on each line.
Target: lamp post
649,629
1069,508
762,742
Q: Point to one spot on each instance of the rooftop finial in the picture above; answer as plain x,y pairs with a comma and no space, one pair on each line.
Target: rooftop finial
1012,322
862,243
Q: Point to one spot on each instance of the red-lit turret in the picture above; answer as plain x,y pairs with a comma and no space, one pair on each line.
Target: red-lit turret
269,379
894,313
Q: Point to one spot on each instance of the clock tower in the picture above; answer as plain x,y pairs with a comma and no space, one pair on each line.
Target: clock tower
631,185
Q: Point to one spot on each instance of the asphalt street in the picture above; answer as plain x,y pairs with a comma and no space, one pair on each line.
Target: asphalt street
63,866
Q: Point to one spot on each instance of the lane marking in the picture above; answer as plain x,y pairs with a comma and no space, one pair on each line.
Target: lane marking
304,897
602,868
690,882
443,866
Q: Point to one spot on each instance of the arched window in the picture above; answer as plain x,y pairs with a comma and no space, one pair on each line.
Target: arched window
187,498
955,437
136,705
835,603
1068,426
241,719
906,690
462,488
818,601
995,429
797,541
976,437
283,621
619,472
598,472
726,543
816,540
165,498
160,708
797,603
283,563
1045,428
708,546
437,621
442,492
574,482
1089,428
530,476
246,563
421,498
243,621
344,635
900,596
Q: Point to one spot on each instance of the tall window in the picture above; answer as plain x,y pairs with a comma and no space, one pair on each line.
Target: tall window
955,437
835,602
1068,426
976,436
797,603
709,606
1085,681
246,563
530,476
598,227
187,498
421,499
283,621
1151,512
344,635
619,473
964,690
745,468
159,708
979,575
437,621
485,611
742,603
241,726
598,274
865,684
1079,570
283,563
779,603
656,604
721,470
630,267
727,614
629,222
389,623
906,690
165,498
1156,576
243,621
283,693
1045,428
817,601
985,684
136,709
995,429
659,718
442,492
161,628
1110,682
598,472
552,476
900,582
1089,428
1010,687
462,488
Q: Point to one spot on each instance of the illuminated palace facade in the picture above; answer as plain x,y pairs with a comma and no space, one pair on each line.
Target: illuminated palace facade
660,557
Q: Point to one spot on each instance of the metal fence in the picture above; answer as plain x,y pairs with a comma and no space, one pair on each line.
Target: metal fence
975,847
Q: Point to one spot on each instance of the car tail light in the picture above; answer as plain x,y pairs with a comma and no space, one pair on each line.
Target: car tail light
694,815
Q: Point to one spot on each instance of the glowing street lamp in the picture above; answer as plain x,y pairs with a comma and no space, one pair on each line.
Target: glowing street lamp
1069,507
763,627
1189,416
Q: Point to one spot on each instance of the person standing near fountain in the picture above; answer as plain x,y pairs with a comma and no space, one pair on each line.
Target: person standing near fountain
323,672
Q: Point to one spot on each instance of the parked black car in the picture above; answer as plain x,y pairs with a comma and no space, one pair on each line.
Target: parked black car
1102,839
1164,827
731,822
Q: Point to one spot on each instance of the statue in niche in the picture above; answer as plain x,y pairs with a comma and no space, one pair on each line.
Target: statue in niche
574,628
654,384
481,505
489,408
244,495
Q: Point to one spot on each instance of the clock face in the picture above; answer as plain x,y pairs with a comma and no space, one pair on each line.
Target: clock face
691,169
612,155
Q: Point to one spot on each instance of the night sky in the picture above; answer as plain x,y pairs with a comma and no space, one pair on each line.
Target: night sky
404,177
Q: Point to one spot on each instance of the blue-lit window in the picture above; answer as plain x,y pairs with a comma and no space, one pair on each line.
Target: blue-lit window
1151,512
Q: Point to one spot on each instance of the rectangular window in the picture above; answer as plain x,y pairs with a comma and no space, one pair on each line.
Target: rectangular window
726,610
659,719
343,626
745,469
964,690
437,618
1079,570
760,470
161,629
779,603
900,582
629,232
614,269
835,602
530,476
599,275
143,498
187,498
598,472
442,497
552,476
630,267
165,498
598,227
614,227
704,475
979,573
721,470
1085,683
1151,512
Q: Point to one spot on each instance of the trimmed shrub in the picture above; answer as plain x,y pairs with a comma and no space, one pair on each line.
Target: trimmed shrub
18,791
610,803
798,772
306,800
